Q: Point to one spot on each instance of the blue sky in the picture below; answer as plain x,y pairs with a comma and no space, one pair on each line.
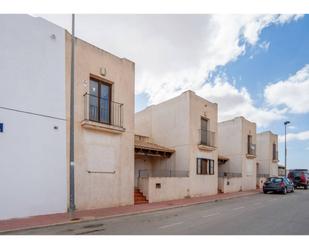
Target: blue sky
287,53
256,66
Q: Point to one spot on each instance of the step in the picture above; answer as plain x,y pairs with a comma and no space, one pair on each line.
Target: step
140,199
140,202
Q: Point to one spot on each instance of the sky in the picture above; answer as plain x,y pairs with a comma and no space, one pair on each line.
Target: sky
256,66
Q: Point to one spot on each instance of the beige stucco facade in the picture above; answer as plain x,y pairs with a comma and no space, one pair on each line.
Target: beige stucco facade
176,123
267,153
104,153
233,144
281,170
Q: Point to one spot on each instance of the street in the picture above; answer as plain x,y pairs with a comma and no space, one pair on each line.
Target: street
260,214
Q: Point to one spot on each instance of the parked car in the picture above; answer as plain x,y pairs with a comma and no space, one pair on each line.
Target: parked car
300,177
278,184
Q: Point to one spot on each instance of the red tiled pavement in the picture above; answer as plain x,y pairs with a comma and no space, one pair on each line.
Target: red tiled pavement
63,218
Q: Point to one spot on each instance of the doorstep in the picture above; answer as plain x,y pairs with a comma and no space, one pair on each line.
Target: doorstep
94,214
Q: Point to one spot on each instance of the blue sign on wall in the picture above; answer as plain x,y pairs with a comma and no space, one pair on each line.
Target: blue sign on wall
1,127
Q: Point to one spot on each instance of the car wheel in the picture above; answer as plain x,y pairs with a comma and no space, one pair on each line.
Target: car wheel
284,191
265,192
306,187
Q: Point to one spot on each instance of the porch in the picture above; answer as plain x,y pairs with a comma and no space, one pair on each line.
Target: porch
155,177
228,182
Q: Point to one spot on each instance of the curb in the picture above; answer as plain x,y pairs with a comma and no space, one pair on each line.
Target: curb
85,219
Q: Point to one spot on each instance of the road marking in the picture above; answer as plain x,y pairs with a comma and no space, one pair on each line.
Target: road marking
210,215
238,208
171,225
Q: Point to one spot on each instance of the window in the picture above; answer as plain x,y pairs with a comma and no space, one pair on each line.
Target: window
204,124
275,156
99,101
207,137
275,179
249,143
205,166
251,148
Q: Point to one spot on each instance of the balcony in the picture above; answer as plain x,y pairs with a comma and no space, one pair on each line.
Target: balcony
251,151
207,140
102,114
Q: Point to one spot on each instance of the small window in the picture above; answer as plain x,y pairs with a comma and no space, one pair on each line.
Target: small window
249,144
275,155
205,166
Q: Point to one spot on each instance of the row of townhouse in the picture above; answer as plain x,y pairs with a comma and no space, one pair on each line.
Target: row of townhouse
182,151
176,149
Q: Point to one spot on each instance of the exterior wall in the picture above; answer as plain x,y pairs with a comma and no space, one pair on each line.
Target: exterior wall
230,184
167,124
33,144
202,184
281,171
172,188
143,185
260,181
104,161
233,135
230,145
175,123
267,165
141,163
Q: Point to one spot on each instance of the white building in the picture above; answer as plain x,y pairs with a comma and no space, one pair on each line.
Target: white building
177,148
33,173
237,142
267,156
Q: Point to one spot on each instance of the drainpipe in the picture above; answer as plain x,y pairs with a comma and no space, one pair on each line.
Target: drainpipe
72,185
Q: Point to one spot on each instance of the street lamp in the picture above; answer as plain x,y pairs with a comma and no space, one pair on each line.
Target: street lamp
285,150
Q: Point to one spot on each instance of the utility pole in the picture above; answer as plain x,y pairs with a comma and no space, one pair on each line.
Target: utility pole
285,149
72,184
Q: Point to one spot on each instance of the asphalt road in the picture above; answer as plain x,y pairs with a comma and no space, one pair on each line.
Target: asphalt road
260,214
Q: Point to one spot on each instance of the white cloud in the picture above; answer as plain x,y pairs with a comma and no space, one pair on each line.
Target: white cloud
291,127
224,39
174,53
292,92
300,136
264,45
237,102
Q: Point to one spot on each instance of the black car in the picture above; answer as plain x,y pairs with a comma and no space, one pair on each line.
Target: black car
278,184
300,177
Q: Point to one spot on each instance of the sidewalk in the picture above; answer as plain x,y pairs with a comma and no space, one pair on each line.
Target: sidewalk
64,218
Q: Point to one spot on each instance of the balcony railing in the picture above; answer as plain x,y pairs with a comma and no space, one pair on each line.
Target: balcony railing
207,138
229,174
103,110
163,173
251,149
